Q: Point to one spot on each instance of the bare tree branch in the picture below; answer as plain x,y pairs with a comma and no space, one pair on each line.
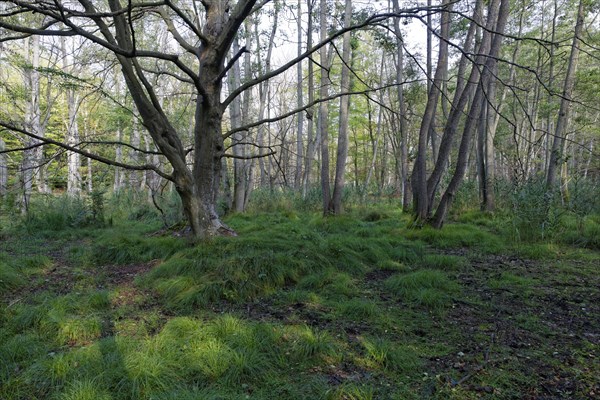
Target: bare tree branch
104,160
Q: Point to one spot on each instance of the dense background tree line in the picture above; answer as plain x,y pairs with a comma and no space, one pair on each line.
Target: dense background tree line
216,99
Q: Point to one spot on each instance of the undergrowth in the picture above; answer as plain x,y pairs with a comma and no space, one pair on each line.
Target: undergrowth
361,306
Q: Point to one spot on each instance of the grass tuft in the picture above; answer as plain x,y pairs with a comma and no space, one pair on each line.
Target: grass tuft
85,390
458,235
10,279
429,288
443,262
358,309
125,248
391,356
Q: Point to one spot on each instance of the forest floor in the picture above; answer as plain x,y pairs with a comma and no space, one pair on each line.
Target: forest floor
298,307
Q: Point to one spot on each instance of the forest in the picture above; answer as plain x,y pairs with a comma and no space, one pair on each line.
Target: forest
303,199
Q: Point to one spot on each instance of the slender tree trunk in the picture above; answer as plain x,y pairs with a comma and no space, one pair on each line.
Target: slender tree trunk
3,170
119,174
342,147
419,175
90,176
311,144
550,84
405,186
239,173
486,145
32,121
38,159
324,109
463,94
565,103
373,165
73,158
300,103
134,157
498,19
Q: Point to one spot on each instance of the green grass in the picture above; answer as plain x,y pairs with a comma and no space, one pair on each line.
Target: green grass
508,280
10,278
443,262
457,236
312,252
429,288
297,306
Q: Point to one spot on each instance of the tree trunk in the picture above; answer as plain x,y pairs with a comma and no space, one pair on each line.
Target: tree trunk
498,17
3,170
565,103
197,188
239,170
464,92
134,157
342,148
119,174
35,116
419,175
405,186
324,110
311,145
300,103
73,158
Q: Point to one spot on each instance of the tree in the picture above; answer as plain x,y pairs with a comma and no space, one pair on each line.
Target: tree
201,35
335,207
565,102
419,175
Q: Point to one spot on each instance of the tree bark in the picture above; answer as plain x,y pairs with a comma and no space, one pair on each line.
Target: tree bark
556,155
342,147
419,175
498,19
405,186
464,92
239,170
310,143
3,170
300,103
73,158
324,110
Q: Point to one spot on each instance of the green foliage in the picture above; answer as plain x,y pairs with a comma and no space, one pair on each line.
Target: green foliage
297,306
352,392
429,288
314,252
121,247
458,235
443,262
535,212
392,356
97,206
53,214
10,279
358,309
508,280
85,389
131,205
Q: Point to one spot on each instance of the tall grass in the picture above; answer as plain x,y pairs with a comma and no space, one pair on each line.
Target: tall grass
274,251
